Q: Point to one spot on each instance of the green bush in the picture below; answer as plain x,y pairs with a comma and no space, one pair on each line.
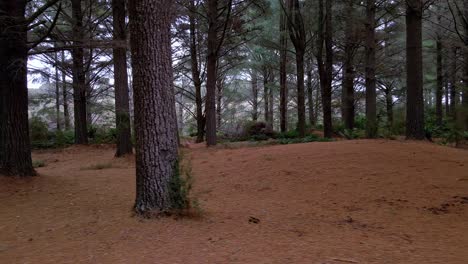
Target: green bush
38,130
102,135
64,138
291,134
257,131
307,139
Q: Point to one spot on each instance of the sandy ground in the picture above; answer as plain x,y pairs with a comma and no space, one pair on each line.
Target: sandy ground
339,202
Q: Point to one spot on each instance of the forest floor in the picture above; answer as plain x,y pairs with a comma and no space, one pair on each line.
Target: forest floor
337,202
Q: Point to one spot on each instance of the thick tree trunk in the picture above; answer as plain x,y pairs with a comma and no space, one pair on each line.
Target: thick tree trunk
414,67
79,77
122,107
66,113
155,115
283,75
254,82
211,72
371,95
15,149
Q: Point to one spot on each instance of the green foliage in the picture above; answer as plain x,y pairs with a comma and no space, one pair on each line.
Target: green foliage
355,133
102,135
64,138
257,131
38,130
291,134
307,139
180,189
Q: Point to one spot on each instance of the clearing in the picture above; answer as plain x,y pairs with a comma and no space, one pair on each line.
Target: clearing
339,202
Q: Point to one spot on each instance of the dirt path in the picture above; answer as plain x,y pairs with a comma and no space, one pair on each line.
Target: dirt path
339,202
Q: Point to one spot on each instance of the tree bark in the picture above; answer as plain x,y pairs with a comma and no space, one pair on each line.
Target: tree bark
15,149
155,115
122,107
79,77
414,74
371,95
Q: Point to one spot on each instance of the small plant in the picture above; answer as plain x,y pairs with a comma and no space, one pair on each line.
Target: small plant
181,187
38,164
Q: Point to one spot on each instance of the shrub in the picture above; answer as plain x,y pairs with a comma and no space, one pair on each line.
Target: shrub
38,130
64,138
289,134
257,131
307,139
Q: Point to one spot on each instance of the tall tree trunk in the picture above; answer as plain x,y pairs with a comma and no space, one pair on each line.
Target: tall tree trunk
212,61
440,79
389,106
326,69
465,71
283,74
66,113
79,77
271,103
300,93
453,84
348,111
371,96
57,92
219,101
298,38
266,87
254,82
122,106
196,74
414,67
155,115
310,95
15,149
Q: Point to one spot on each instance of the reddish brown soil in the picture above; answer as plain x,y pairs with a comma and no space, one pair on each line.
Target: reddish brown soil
341,202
